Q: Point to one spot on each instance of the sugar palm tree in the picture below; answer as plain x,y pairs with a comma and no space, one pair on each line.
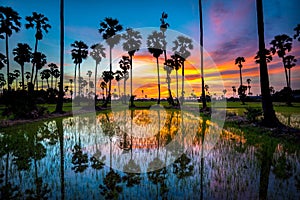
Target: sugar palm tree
132,44
280,45
40,23
124,64
71,87
79,53
269,117
239,61
156,43
97,53
176,62
42,74
119,77
59,105
47,74
249,87
22,55
27,76
268,56
89,74
103,86
233,90
289,62
9,23
56,74
297,34
39,60
182,47
109,28
52,67
16,74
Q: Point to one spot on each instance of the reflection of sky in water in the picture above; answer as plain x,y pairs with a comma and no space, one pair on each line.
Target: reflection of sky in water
231,168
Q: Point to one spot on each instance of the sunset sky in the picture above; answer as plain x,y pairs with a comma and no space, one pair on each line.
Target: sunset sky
229,31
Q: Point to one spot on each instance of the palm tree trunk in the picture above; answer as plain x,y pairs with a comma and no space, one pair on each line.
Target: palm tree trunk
177,84
125,90
182,84
42,84
7,61
131,97
241,79
75,81
79,82
96,71
204,106
286,74
290,85
36,79
110,69
158,81
33,65
270,118
47,83
51,81
23,81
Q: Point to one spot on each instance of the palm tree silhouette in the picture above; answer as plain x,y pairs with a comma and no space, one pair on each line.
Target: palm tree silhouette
16,75
43,76
267,54
2,81
156,43
118,77
239,61
270,118
9,22
59,105
52,67
89,74
40,23
132,44
203,96
79,53
71,87
22,55
233,90
2,60
47,74
97,53
107,77
56,74
297,34
289,62
280,45
39,60
109,28
182,45
125,66
249,87
103,86
27,76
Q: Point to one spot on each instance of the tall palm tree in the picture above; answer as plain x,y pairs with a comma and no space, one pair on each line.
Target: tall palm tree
249,87
132,44
40,23
43,76
9,22
109,28
27,76
56,74
270,118
119,77
22,55
79,53
16,74
52,67
124,64
203,96
156,43
163,28
59,105
289,62
89,74
239,61
39,60
182,47
47,74
97,53
281,44
103,86
2,61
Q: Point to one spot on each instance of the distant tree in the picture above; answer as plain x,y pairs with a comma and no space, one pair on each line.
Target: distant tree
107,77
2,81
103,86
71,87
79,52
40,23
289,62
9,22
52,67
124,64
156,43
280,45
42,74
47,74
297,34
234,90
224,92
97,53
272,90
119,77
89,74
56,74
39,60
132,44
182,47
109,28
249,87
239,61
27,76
22,55
16,75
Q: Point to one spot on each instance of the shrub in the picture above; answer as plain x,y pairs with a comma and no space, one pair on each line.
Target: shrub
253,113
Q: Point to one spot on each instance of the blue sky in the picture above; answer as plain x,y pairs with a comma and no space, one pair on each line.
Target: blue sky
229,29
